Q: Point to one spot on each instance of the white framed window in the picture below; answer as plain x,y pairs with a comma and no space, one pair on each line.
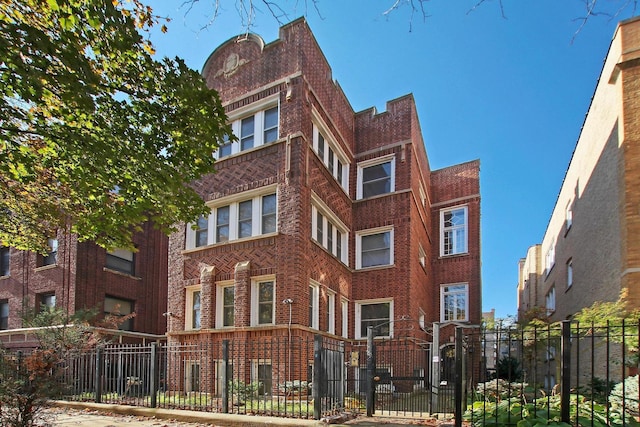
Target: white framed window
193,306
568,215
344,305
376,176
328,230
422,256
202,231
239,216
421,318
550,257
453,231
331,312
262,374
225,304
550,300
327,149
191,375
423,195
263,308
374,247
119,307
569,273
254,126
122,260
454,302
377,313
314,305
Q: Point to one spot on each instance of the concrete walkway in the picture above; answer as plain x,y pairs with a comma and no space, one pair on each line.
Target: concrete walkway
87,414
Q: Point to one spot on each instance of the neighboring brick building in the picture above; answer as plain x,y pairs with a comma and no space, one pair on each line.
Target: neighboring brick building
76,276
323,220
591,248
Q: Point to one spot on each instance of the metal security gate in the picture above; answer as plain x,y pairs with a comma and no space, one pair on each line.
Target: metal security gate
402,377
389,376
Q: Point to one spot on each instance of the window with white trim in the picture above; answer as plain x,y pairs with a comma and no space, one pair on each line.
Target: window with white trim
454,302
328,230
253,130
422,256
202,231
550,257
239,216
568,215
453,231
423,196
375,313
345,317
374,247
550,300
225,305
569,273
263,302
121,260
262,374
376,177
331,312
191,376
193,306
331,155
314,305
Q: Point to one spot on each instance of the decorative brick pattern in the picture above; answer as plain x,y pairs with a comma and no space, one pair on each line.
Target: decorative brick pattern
246,70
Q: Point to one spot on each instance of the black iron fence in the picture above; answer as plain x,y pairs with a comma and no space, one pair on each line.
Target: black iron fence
576,373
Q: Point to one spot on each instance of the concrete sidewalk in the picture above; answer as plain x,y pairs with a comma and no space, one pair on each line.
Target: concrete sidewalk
86,414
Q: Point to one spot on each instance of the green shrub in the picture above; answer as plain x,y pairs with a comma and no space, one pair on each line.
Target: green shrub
625,394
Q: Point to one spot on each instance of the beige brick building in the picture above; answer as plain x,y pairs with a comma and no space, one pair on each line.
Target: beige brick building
591,248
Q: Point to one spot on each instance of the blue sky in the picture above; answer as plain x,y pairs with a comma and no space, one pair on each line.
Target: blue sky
511,92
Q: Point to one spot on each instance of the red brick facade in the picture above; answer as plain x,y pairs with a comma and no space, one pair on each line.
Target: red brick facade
80,279
293,75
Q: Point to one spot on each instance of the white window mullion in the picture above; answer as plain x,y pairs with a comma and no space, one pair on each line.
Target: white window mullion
345,318
259,128
314,223
233,221
324,231
256,216
211,232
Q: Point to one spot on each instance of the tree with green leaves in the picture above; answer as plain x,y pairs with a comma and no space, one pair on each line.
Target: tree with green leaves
28,380
97,135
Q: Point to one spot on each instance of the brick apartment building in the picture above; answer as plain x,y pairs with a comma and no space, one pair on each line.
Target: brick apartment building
323,220
591,250
80,275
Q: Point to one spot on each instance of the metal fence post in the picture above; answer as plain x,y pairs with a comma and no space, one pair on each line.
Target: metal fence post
98,377
223,374
371,369
458,376
434,382
317,374
565,391
153,380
